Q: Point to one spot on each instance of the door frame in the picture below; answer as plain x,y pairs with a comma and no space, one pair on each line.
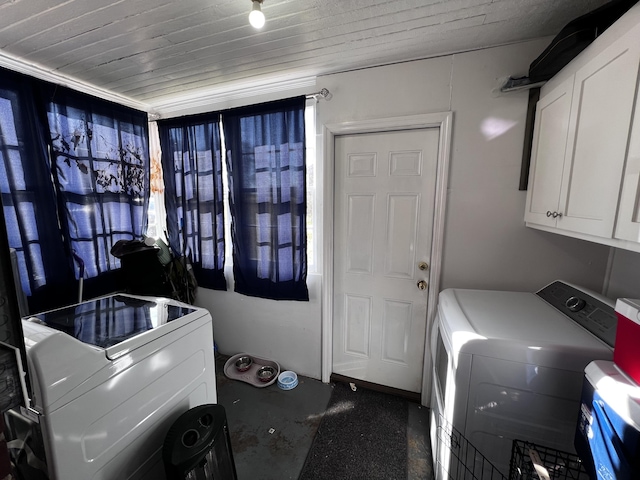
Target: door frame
440,120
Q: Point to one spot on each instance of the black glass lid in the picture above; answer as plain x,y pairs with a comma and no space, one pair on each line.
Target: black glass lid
107,321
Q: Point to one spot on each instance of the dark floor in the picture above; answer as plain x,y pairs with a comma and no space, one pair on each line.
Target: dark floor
272,429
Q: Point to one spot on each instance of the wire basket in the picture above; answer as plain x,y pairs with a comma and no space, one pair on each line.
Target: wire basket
535,462
457,459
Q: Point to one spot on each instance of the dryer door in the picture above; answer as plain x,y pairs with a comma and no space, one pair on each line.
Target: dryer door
451,372
513,400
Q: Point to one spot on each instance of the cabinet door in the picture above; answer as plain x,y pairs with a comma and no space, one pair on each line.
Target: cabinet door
547,154
628,220
604,92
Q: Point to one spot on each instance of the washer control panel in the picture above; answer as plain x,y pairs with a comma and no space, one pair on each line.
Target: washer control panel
597,315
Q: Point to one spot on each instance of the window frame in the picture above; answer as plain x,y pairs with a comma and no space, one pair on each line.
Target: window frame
313,247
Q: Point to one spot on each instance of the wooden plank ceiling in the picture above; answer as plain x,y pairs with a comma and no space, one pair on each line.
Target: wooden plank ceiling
151,51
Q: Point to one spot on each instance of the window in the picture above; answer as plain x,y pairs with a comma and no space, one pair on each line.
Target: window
74,181
312,223
18,199
191,151
263,176
265,147
100,166
28,198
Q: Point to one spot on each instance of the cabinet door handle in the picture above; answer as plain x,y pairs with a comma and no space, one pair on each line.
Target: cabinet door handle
549,213
556,215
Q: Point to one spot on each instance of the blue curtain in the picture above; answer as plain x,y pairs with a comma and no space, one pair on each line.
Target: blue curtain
74,179
28,198
266,166
100,168
192,165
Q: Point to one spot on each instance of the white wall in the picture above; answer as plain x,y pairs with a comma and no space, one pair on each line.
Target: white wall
486,242
285,331
624,279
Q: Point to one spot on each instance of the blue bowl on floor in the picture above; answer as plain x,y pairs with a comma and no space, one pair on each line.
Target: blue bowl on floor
287,380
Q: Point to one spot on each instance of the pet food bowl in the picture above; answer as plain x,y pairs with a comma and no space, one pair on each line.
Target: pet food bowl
266,373
243,363
287,380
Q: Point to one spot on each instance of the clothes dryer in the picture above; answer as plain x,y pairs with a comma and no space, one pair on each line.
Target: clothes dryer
509,365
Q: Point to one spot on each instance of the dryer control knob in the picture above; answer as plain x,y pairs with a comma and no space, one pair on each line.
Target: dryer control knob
575,304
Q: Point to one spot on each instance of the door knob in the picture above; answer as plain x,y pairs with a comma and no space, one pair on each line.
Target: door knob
423,265
422,285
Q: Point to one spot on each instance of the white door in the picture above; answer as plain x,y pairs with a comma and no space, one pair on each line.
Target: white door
384,203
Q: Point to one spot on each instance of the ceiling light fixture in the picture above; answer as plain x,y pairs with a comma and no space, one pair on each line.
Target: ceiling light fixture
256,17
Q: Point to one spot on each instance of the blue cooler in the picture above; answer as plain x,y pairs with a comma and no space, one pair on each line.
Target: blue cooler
608,434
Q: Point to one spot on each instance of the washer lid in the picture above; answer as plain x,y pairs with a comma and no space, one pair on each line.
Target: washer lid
119,323
73,349
516,326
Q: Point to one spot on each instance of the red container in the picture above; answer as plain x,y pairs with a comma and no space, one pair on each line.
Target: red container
626,353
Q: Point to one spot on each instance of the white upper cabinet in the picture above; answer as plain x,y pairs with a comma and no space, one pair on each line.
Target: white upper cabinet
604,93
582,145
547,154
628,224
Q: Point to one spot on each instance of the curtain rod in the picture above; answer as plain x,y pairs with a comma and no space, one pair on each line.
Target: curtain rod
324,93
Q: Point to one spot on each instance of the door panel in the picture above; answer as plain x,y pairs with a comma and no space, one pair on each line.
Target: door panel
628,220
402,235
384,203
397,330
361,212
548,153
595,156
358,329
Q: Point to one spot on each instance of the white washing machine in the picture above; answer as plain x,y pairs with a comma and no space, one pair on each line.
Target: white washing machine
510,365
109,377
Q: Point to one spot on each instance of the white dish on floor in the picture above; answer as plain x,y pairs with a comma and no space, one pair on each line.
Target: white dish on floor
287,380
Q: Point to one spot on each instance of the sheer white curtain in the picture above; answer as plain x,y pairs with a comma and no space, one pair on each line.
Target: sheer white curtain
157,212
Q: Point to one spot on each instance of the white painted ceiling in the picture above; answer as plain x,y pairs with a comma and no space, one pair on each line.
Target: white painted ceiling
153,51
